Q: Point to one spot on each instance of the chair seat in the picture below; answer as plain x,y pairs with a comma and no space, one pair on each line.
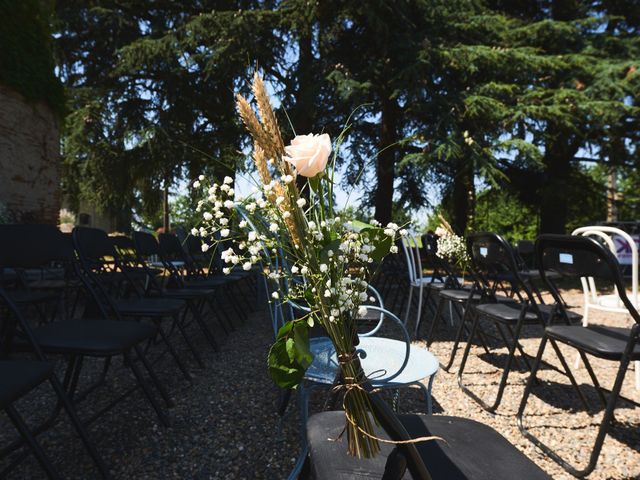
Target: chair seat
186,293
546,310
381,359
208,283
149,307
459,295
92,337
505,312
28,297
425,281
604,342
473,451
534,274
54,284
18,377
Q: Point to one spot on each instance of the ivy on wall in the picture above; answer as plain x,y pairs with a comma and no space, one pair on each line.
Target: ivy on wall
26,60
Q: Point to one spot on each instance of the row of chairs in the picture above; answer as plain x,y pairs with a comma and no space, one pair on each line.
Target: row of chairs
112,297
503,295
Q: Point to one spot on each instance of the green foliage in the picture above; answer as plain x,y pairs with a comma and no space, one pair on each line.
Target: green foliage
289,357
498,211
26,61
444,92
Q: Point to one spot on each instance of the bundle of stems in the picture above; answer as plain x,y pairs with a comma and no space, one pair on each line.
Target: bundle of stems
285,197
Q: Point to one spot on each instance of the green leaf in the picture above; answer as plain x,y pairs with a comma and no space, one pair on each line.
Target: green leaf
290,356
382,242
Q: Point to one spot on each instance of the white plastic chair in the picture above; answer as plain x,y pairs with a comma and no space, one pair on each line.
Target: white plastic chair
611,303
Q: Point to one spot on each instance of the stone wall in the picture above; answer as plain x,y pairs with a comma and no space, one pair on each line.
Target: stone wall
29,159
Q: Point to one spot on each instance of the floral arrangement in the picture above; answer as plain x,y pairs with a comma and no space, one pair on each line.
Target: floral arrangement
324,260
451,247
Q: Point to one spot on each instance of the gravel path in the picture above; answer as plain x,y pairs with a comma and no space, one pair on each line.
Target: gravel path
224,423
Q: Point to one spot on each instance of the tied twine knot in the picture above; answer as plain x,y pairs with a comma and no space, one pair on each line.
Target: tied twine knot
352,384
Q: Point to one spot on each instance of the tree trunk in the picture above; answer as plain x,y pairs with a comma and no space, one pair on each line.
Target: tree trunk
612,195
463,198
385,167
165,206
557,166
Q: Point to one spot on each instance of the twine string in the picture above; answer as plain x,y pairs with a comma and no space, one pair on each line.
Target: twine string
352,384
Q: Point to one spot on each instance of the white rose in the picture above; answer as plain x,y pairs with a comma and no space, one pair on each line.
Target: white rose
309,154
441,232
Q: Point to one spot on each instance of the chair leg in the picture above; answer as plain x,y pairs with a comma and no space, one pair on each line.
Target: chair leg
196,311
145,388
173,352
406,315
419,314
154,378
214,311
604,425
436,316
77,423
22,428
187,340
458,338
505,372
568,373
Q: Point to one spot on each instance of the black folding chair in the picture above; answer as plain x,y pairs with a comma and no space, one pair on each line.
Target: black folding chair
99,334
184,274
19,377
147,247
473,451
493,260
573,257
115,291
207,268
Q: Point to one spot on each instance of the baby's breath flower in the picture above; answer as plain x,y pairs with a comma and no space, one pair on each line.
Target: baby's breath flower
228,180
275,295
204,247
323,267
207,216
224,232
301,202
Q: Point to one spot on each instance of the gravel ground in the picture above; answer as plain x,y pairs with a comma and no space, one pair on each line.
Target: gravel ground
224,423
554,413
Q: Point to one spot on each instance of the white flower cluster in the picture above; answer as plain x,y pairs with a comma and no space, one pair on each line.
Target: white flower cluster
331,264
452,248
